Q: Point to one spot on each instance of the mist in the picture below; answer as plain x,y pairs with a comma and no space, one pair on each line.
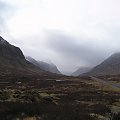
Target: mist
69,33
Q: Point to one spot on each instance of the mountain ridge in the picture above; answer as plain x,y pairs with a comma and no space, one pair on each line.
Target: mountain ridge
13,62
110,66
43,65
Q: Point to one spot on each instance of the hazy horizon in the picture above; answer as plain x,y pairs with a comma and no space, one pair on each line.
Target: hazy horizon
69,33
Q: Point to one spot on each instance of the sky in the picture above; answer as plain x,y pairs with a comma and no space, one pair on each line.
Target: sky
69,33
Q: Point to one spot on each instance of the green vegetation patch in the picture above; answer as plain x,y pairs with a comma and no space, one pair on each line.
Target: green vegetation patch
27,96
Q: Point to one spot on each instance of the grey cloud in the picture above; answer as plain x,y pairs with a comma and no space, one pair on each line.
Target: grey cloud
98,25
87,52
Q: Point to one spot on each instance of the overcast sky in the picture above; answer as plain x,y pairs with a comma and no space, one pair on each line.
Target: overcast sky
69,33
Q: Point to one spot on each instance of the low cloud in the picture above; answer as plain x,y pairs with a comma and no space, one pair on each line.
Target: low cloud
90,30
67,47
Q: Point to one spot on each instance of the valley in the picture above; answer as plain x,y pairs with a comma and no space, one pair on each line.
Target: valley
58,98
59,59
35,90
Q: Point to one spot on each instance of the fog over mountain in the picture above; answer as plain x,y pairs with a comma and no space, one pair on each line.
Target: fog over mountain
80,71
110,66
70,33
43,65
13,62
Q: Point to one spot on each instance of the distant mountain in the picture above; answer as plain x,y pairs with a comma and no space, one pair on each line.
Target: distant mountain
44,66
13,62
110,66
81,71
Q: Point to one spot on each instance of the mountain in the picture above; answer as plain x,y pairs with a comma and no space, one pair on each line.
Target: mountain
110,66
49,67
81,71
9,51
44,66
13,62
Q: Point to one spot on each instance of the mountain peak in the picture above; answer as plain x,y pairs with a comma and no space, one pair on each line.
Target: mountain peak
2,41
9,51
117,54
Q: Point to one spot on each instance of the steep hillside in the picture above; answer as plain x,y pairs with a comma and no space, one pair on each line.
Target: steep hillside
110,66
13,62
